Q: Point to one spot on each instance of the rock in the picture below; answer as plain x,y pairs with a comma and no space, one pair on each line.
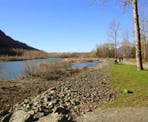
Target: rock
6,117
26,101
54,117
4,112
52,92
27,106
50,105
54,88
47,99
61,110
21,116
38,115
74,102
127,91
46,110
31,112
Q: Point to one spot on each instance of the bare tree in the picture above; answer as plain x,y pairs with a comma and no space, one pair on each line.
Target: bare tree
137,34
144,32
134,4
113,34
125,45
105,50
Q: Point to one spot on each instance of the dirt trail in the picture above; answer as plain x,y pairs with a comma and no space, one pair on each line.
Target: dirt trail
116,115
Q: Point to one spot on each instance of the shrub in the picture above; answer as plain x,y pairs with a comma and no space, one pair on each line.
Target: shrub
49,70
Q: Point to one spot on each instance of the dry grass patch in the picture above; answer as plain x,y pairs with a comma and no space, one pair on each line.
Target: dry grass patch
50,70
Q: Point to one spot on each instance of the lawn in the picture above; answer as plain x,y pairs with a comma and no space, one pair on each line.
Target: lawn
127,77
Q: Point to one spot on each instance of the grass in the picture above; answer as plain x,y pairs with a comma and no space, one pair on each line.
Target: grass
127,77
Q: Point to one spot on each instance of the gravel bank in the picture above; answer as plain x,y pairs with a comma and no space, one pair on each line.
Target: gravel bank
67,100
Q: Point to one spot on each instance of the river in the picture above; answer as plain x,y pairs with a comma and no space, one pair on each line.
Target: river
15,69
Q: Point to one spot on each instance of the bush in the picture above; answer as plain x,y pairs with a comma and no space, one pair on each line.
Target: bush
50,71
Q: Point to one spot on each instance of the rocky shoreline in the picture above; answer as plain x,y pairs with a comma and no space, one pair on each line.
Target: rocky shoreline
66,101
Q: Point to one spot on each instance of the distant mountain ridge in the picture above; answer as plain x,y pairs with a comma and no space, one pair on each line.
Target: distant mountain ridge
8,42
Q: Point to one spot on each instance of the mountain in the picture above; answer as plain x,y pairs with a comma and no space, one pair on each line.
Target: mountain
8,42
8,45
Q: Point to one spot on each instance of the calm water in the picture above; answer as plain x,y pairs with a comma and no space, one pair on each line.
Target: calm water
84,64
15,69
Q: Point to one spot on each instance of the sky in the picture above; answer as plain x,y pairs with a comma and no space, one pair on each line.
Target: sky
62,25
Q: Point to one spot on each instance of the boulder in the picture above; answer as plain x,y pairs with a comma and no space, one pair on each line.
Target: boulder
54,117
21,116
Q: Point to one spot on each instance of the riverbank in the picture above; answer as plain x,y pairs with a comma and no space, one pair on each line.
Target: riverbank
32,84
14,91
67,100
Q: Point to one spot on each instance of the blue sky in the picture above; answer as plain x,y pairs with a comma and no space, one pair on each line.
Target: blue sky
62,25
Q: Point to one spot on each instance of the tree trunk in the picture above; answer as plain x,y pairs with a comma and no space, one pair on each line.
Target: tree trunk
137,35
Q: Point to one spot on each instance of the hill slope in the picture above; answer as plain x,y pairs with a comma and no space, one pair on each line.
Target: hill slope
7,45
8,42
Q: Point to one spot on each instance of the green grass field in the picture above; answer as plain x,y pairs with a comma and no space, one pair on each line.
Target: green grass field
127,77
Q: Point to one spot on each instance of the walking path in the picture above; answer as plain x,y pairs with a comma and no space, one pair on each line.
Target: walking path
134,63
116,115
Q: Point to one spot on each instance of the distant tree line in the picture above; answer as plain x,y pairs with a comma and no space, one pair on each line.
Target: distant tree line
11,52
139,47
126,49
107,50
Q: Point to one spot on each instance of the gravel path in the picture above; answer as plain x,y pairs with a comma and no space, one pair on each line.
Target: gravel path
134,63
116,115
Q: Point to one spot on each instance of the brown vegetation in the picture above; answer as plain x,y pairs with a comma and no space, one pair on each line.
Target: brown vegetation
24,55
12,92
50,71
73,55
80,59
